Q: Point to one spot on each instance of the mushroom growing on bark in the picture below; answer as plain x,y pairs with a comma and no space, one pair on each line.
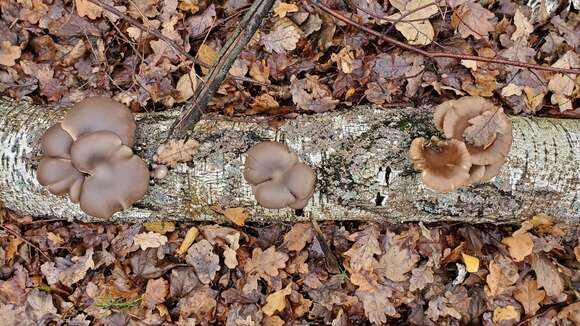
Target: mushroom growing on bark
444,164
278,179
484,129
88,156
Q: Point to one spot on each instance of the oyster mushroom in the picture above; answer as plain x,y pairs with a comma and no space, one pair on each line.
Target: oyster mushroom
444,164
278,180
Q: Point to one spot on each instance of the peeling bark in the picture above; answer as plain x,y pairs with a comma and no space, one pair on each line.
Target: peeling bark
360,156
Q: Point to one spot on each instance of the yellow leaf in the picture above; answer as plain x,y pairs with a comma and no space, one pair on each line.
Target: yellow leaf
520,246
188,240
350,92
55,238
163,312
505,313
283,8
161,227
237,215
207,55
577,252
277,301
471,263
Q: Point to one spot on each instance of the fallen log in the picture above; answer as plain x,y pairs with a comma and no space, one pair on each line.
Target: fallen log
360,157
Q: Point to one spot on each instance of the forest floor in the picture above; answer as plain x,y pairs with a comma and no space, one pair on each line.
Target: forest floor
302,60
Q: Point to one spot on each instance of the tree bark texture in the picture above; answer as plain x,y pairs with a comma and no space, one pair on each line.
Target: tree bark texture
359,155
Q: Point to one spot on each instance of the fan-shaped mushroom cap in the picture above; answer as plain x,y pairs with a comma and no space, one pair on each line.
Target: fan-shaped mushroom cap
444,164
60,177
56,142
116,178
278,180
100,113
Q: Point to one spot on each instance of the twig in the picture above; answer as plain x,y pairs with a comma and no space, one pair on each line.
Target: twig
25,240
430,54
248,25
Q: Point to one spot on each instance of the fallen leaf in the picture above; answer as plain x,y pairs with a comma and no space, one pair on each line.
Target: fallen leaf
39,305
238,215
189,5
186,86
520,246
9,53
471,64
533,99
270,321
529,296
283,36
78,270
547,275
298,236
264,103
277,301
198,24
207,55
160,227
577,252
562,86
482,130
512,89
343,59
363,251
421,277
310,94
260,71
190,237
149,240
570,33
471,18
571,313
56,239
415,25
176,151
88,9
441,307
471,263
155,292
503,273
182,281
505,313
282,8
397,260
523,26
377,305
266,263
205,263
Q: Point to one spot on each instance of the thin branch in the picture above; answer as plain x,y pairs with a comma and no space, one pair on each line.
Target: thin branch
15,234
440,54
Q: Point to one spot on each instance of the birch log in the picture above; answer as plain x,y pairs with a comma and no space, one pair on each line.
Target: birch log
360,157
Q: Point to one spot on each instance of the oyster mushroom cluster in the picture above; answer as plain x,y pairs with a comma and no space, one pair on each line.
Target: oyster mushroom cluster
478,139
278,179
89,157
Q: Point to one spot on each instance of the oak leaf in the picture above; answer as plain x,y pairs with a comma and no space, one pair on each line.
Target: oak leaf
310,94
207,55
88,9
421,277
397,260
149,240
283,37
503,273
264,103
176,151
344,59
266,263
363,251
377,305
277,301
186,86
529,296
471,18
483,129
205,263
520,246
298,236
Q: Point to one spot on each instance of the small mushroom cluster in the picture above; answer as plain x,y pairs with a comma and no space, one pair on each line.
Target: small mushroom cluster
478,139
89,157
278,179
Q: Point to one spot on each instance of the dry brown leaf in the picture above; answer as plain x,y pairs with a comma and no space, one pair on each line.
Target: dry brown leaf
9,53
238,215
503,273
264,103
421,277
266,263
282,8
310,94
205,263
270,321
190,237
520,246
160,227
415,30
283,37
176,151
363,251
155,292
298,236
189,5
344,59
485,84
547,276
562,86
577,252
186,86
533,99
207,55
149,240
260,71
377,305
529,296
56,239
88,9
276,302
483,129
512,89
523,26
505,313
140,8
471,18
77,271
397,260
571,313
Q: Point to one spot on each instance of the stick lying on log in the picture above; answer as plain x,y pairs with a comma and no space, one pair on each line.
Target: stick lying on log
360,157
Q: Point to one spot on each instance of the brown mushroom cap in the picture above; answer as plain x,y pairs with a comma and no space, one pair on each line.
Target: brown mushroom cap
56,142
444,164
278,180
60,177
116,177
100,113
